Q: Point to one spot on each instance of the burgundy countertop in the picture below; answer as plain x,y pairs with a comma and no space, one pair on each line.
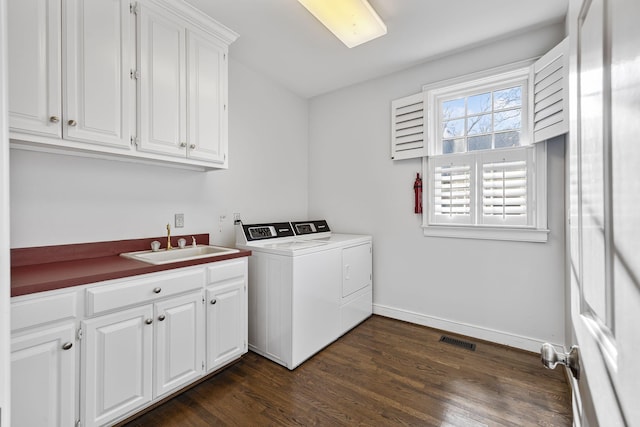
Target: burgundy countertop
55,267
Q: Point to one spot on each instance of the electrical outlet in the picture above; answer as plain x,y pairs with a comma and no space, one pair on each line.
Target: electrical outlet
179,220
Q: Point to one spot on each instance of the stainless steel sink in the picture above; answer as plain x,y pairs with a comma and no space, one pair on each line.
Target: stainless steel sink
176,255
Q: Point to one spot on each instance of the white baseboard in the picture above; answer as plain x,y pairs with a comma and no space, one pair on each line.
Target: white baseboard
499,337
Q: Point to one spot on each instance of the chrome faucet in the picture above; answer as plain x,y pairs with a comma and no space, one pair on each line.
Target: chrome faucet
169,247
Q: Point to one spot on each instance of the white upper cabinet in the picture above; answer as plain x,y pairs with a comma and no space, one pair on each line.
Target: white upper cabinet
162,82
34,63
207,105
97,83
182,87
144,79
84,99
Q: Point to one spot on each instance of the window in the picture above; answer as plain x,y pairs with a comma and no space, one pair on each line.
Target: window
482,140
481,121
485,179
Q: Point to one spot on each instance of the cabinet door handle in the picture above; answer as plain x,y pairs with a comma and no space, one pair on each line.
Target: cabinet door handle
161,317
67,346
54,119
148,321
157,290
192,146
183,144
72,123
213,301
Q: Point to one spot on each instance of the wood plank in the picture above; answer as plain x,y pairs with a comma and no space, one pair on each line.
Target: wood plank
383,372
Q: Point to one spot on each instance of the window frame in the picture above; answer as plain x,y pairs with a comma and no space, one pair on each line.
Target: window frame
502,77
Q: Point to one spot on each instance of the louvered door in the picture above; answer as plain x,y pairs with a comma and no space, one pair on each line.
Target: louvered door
507,190
550,93
452,181
408,127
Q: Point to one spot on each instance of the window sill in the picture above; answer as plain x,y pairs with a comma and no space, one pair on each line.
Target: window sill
488,233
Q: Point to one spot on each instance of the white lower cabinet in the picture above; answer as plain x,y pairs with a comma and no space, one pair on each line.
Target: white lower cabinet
148,337
117,361
120,372
98,353
179,347
226,301
43,377
226,323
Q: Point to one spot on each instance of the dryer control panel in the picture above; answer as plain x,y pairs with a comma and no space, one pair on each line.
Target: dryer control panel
310,227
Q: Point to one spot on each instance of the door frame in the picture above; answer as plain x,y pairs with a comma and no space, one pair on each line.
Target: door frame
5,265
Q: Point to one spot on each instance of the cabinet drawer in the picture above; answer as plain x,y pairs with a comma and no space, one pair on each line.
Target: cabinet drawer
225,270
42,310
138,291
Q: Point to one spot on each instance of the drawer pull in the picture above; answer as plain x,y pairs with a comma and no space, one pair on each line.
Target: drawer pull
157,290
67,346
213,301
148,321
161,317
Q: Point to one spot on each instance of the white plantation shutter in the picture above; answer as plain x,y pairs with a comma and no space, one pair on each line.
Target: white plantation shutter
483,188
551,93
451,190
506,187
408,126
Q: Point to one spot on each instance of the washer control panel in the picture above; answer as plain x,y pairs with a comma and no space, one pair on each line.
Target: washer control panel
254,232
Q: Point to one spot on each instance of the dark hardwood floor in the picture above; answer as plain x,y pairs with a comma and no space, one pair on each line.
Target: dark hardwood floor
384,372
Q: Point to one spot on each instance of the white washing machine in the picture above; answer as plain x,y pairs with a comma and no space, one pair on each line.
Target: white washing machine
307,287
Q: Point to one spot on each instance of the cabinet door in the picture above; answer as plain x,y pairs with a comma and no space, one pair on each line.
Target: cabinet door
117,357
207,76
162,83
226,322
43,378
179,342
356,268
97,79
34,33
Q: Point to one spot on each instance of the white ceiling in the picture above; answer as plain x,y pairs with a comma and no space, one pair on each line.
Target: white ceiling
281,40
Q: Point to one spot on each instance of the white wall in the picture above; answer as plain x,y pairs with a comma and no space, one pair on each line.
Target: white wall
58,199
508,292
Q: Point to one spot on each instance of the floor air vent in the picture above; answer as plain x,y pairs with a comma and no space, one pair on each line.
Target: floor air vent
459,343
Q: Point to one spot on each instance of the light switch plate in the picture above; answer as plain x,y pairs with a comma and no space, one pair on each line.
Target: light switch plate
179,220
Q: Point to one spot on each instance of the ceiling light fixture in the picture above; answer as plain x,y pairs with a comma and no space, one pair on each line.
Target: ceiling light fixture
353,21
